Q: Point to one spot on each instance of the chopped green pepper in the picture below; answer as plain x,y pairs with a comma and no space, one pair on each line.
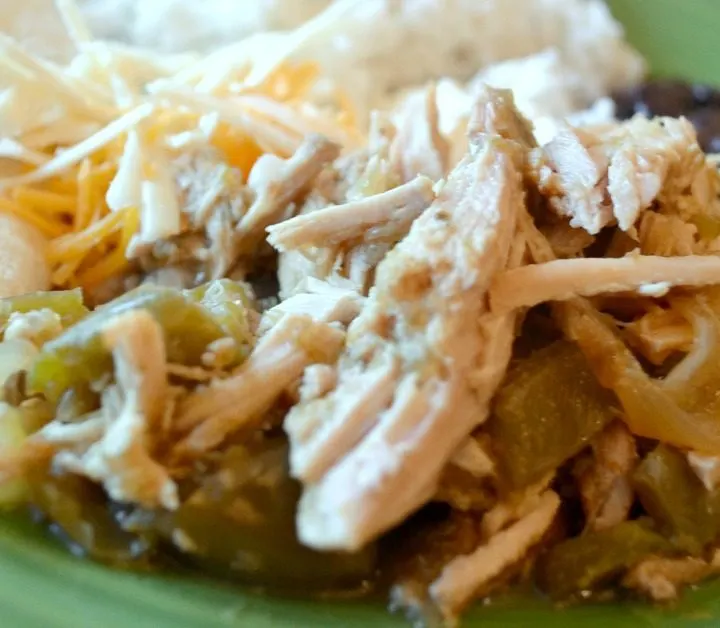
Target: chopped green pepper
228,303
464,491
16,355
67,304
589,562
79,513
78,357
547,410
76,402
36,413
708,226
677,500
240,523
13,491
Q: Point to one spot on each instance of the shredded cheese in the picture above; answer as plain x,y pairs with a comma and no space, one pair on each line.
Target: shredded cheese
95,142
160,213
61,185
9,148
47,227
81,36
77,153
302,124
270,137
80,243
240,151
125,189
72,130
85,197
74,22
13,55
44,202
64,273
116,261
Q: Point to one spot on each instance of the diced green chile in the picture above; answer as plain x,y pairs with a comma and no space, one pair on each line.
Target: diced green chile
76,402
677,500
595,560
464,491
240,523
36,413
79,514
13,490
67,304
228,303
708,226
547,410
78,356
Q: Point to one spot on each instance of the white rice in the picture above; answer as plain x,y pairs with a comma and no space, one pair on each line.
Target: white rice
559,56
384,45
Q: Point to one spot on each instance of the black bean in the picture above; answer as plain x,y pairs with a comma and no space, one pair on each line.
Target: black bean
705,95
662,97
673,97
625,103
707,124
665,97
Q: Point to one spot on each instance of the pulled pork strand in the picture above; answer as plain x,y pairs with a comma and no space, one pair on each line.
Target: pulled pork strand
428,292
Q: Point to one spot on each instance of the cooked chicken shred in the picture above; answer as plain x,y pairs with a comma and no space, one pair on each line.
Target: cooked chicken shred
560,280
418,147
376,217
211,414
356,189
465,575
276,183
614,174
605,479
131,413
357,449
661,578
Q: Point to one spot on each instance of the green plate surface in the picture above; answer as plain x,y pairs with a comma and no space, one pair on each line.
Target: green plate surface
678,37
41,586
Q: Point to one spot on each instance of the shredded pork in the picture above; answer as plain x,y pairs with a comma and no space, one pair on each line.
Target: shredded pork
132,411
211,414
418,147
345,243
605,483
659,333
614,174
376,217
277,183
561,280
406,274
370,451
473,457
320,300
214,199
513,507
661,578
460,581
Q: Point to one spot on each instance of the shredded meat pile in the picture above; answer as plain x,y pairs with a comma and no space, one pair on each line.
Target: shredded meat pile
396,356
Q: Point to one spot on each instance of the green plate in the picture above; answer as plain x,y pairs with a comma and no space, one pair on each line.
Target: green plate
41,586
678,37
